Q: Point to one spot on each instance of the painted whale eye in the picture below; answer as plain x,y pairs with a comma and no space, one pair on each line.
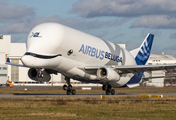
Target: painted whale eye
70,52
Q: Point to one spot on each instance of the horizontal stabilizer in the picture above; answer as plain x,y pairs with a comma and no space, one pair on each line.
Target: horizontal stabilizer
132,85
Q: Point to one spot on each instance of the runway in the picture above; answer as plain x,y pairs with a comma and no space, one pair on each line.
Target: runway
22,95
15,94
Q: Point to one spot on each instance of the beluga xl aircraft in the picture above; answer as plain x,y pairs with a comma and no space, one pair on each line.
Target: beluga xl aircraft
54,48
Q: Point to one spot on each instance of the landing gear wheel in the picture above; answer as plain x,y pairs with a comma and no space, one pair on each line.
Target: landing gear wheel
73,92
109,87
104,87
107,92
68,92
112,92
69,87
64,87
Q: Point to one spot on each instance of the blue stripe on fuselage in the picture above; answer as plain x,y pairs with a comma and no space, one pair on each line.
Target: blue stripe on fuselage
135,79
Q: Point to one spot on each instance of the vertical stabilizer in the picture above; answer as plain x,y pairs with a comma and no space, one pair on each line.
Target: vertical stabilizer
142,53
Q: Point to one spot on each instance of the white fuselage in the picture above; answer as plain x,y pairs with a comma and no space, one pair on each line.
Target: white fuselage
74,49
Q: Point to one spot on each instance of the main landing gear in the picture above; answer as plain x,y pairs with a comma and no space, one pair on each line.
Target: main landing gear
108,89
68,88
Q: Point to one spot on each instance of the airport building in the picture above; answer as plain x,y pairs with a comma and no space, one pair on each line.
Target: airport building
156,59
20,74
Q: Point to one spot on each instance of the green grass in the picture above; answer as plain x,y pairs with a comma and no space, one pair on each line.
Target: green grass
88,108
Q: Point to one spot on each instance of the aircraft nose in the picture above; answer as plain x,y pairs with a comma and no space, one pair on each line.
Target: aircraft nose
26,60
36,62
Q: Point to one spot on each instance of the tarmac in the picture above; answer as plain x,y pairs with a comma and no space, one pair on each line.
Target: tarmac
23,95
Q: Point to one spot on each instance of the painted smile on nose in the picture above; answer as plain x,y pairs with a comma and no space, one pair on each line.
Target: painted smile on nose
32,59
41,56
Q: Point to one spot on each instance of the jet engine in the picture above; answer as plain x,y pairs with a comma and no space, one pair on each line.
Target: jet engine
38,75
105,73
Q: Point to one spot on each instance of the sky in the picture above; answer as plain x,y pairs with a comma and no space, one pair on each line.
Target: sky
118,21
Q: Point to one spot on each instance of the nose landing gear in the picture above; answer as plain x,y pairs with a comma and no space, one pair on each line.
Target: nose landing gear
68,88
108,90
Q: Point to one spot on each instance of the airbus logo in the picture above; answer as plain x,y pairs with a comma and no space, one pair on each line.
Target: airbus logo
101,54
36,34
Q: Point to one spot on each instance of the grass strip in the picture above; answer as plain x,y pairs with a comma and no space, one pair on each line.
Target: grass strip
88,108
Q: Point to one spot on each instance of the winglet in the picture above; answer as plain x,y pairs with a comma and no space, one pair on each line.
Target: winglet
8,60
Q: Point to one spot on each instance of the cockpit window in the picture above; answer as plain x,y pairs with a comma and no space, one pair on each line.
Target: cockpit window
41,56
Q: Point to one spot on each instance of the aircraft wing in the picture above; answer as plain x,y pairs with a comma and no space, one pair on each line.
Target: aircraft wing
9,63
19,65
135,68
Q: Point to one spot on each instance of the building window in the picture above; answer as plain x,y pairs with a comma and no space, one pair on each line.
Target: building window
15,71
3,75
3,68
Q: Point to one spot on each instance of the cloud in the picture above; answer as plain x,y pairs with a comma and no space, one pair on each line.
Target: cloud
160,22
27,25
15,28
123,8
171,50
100,34
16,39
115,39
173,36
16,19
14,13
159,14
157,49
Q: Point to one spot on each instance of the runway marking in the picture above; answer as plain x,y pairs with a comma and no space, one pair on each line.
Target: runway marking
157,96
144,96
22,95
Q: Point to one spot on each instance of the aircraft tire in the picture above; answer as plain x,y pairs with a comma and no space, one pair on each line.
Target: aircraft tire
109,87
68,92
107,92
112,92
69,87
64,87
104,87
73,92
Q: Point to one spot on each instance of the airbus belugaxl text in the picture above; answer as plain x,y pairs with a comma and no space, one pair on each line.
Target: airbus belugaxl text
54,48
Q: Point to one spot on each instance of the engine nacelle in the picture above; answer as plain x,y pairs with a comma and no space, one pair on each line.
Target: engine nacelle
108,74
38,75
